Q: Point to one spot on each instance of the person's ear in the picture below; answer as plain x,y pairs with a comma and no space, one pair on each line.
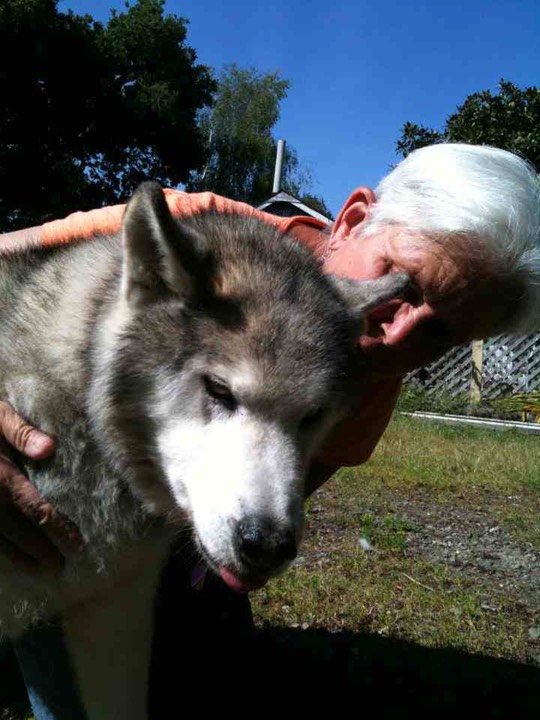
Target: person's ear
396,322
353,213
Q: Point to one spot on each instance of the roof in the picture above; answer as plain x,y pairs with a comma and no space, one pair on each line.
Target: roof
282,199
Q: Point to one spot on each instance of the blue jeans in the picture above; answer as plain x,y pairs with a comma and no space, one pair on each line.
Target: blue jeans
47,673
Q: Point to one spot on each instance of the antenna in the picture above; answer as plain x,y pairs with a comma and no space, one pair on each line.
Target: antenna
279,166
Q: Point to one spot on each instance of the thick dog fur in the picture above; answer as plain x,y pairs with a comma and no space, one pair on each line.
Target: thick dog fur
188,370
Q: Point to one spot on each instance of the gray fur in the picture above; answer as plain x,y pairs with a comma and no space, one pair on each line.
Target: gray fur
89,331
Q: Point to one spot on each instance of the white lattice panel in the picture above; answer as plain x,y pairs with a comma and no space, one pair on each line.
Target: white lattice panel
451,373
511,365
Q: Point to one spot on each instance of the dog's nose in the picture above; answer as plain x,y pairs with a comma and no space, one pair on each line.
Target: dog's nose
262,543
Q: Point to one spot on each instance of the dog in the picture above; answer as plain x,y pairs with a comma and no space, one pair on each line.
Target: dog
189,371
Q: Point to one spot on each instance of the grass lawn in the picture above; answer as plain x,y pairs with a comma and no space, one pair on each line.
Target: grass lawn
450,518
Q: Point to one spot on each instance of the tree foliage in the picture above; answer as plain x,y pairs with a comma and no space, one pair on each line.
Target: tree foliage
240,147
508,118
89,110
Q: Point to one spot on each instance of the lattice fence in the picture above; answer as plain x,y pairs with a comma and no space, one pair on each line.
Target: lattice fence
510,364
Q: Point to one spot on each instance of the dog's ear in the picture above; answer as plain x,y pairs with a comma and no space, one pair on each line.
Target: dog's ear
160,256
365,295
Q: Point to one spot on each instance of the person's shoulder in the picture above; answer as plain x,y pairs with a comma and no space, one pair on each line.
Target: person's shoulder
108,220
81,225
183,203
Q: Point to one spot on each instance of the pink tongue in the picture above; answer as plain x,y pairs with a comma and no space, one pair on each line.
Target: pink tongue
236,584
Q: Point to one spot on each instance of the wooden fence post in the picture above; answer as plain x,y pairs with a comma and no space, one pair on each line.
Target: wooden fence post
477,357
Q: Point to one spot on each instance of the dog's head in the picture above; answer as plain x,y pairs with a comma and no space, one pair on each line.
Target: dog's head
233,356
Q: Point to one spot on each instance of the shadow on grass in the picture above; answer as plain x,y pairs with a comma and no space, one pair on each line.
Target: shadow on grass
393,677
223,668
283,670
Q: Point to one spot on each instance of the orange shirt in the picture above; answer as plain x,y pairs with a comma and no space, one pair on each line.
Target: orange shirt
107,220
353,442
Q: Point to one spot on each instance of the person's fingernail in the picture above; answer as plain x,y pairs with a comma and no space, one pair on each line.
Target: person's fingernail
38,443
46,515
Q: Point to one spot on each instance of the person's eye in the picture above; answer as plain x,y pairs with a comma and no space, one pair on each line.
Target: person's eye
220,393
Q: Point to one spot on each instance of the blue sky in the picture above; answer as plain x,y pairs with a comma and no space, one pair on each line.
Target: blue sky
359,70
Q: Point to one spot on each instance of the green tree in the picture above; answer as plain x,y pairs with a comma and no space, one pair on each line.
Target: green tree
240,147
508,118
89,110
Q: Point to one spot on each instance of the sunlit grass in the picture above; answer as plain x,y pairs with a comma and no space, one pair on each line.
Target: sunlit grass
390,591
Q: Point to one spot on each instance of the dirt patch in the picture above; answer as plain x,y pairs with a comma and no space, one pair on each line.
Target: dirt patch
467,533
468,537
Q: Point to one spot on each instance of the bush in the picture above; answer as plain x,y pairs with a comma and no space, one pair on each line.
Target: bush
415,398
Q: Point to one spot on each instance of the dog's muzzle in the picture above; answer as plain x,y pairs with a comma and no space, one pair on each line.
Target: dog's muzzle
262,545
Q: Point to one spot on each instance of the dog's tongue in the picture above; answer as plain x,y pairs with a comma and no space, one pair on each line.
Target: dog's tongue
240,586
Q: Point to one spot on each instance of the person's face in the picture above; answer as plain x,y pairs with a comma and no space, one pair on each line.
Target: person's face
457,295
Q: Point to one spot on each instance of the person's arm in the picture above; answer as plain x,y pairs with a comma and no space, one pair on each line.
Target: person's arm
20,239
354,439
33,534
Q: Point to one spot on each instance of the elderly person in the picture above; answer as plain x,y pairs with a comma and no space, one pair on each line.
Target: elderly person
462,221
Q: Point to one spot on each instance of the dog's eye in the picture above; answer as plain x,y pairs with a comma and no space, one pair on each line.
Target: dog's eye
219,392
312,418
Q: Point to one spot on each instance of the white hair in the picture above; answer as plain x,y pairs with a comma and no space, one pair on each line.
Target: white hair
474,191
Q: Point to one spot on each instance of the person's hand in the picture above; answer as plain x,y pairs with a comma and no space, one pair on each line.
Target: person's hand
33,535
